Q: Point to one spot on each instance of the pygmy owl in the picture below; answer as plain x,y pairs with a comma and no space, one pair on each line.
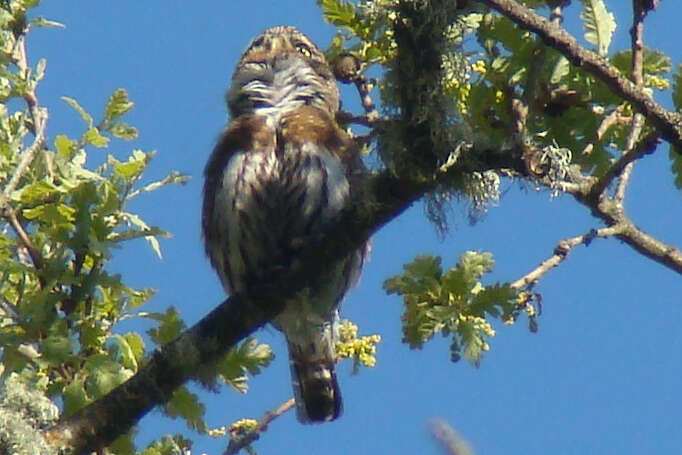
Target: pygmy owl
280,172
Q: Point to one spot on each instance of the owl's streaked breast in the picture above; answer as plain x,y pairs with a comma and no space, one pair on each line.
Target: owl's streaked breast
279,85
271,201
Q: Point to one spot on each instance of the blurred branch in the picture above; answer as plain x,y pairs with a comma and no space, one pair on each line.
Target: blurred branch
450,441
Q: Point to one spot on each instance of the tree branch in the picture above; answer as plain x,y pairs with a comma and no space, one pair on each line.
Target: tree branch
668,123
38,115
646,146
37,126
637,76
387,194
98,424
560,254
607,122
242,441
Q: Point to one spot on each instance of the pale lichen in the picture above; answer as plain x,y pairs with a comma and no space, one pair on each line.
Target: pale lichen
24,412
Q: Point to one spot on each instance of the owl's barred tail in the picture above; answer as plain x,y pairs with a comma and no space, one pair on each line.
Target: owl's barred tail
317,393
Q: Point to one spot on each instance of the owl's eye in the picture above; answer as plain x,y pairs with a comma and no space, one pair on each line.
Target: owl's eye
258,42
303,49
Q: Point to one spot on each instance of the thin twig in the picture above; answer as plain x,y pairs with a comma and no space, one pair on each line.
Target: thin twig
364,120
646,146
241,442
10,311
623,181
39,117
10,216
637,76
607,122
561,253
364,87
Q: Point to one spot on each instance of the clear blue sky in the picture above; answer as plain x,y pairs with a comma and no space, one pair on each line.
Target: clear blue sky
601,376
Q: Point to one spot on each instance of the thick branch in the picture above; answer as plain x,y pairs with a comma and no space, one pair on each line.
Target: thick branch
651,247
611,212
98,424
668,123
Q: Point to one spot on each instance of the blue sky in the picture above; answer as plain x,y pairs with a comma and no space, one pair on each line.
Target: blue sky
601,375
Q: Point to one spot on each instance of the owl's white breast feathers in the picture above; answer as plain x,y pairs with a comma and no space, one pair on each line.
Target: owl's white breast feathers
305,185
277,88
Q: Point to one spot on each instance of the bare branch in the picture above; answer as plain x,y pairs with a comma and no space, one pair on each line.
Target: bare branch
449,439
637,46
560,254
240,442
611,212
607,122
633,135
651,247
646,146
364,87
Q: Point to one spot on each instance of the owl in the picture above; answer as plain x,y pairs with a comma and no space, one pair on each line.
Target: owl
280,172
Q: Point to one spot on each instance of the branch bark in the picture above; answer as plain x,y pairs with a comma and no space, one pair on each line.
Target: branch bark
560,253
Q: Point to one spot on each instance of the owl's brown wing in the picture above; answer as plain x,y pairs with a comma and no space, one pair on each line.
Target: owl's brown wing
251,134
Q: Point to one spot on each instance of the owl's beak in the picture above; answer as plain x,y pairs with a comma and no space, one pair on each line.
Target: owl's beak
275,45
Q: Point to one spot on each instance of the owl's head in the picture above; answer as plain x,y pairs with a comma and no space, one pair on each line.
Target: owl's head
282,67
281,42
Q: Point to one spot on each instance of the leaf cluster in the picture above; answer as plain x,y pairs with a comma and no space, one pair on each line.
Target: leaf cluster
453,303
362,350
365,29
566,104
61,301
